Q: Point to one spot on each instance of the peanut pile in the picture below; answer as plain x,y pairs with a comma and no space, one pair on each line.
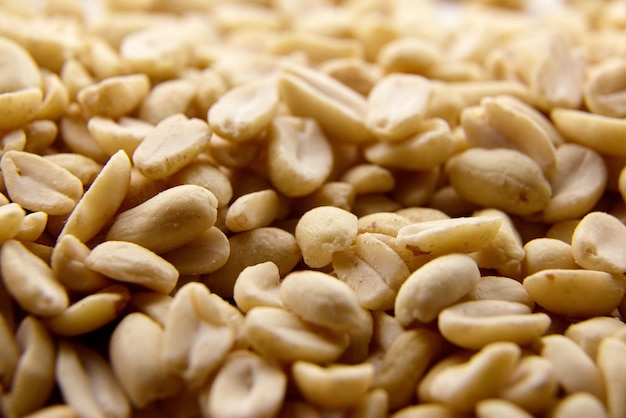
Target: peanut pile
312,209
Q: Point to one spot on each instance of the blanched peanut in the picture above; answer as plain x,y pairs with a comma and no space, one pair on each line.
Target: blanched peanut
38,184
196,336
576,293
574,370
9,354
246,385
76,136
22,71
19,107
154,305
39,134
321,299
385,256
87,383
114,97
258,285
546,254
89,313
30,281
84,168
462,386
317,47
494,408
280,334
68,265
253,210
409,55
499,288
254,247
300,158
33,379
427,410
100,202
339,110
475,324
204,254
56,97
611,351
170,146
434,287
132,263
600,133
588,333
125,134
31,227
428,146
135,352
168,98
336,386
245,111
462,235
404,364
604,89
204,173
54,411
577,184
579,405
599,243
323,231
11,217
168,220
355,73
415,188
369,178
532,385
395,106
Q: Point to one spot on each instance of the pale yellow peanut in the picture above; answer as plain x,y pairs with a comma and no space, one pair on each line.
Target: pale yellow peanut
474,91
204,254
168,98
493,408
360,337
588,333
563,230
499,288
102,59
409,55
56,97
300,158
600,133
547,253
378,251
39,135
374,404
373,203
334,193
131,263
84,168
475,324
247,385
500,178
13,141
258,285
369,178
38,184
11,218
317,47
533,385
154,305
234,154
335,386
404,364
324,230
19,107
464,235
75,76
576,293
427,410
598,243
254,247
196,335
435,286
604,88
234,319
386,329
610,352
387,223
9,353
579,405
68,265
339,110
449,201
245,111
368,284
506,122
32,226
577,184
21,70
76,136
421,214
428,146
504,253
31,281
253,210
54,411
356,73
462,386
172,144
168,220
135,352
575,371
87,383
125,134
298,409
395,106
33,379
101,201
320,299
89,313
113,97
208,175
282,335
415,188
